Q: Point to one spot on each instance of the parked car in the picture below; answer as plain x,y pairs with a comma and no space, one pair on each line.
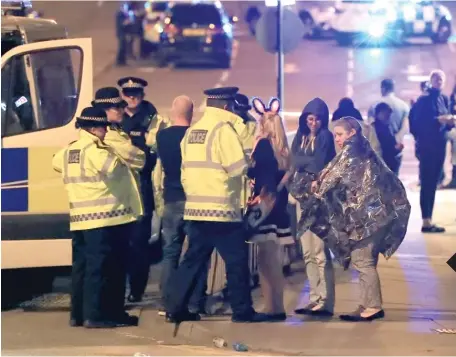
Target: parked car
197,32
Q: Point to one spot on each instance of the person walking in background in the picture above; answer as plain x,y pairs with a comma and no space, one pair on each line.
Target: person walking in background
430,123
452,139
169,153
270,164
346,108
312,149
382,140
400,110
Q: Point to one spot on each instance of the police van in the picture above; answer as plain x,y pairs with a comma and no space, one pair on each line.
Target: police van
46,81
391,21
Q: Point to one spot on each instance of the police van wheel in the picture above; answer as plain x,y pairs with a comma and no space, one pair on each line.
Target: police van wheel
443,32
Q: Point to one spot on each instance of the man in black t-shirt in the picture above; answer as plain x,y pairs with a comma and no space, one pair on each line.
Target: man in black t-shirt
169,153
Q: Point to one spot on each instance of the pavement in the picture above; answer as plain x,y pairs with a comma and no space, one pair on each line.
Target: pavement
418,287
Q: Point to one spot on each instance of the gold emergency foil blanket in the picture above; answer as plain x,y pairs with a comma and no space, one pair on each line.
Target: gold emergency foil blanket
357,198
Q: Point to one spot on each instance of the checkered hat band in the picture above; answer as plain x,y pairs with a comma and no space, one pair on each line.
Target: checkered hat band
100,215
132,85
109,100
220,96
93,118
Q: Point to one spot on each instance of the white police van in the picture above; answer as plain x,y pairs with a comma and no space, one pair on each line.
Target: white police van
391,21
46,81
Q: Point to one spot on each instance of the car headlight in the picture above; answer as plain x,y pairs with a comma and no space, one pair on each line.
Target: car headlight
376,29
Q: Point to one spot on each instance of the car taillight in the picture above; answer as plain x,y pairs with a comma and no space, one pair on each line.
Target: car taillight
171,30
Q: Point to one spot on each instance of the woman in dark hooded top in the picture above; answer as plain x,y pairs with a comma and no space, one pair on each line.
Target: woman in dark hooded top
312,149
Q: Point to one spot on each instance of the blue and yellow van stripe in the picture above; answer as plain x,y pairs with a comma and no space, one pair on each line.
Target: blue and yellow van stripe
15,175
34,201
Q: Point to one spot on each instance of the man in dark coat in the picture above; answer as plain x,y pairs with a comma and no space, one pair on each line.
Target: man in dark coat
429,124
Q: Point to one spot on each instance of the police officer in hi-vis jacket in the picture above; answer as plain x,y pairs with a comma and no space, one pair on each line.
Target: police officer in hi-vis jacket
213,166
105,204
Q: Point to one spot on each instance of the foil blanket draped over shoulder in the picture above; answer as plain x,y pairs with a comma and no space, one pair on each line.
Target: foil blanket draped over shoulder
357,198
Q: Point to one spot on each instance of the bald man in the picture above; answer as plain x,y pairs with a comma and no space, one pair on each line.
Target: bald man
169,153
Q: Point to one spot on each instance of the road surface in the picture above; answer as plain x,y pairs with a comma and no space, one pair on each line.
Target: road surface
419,289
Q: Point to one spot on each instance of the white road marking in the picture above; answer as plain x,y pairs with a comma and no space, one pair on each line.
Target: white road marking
418,78
224,76
147,69
290,68
350,73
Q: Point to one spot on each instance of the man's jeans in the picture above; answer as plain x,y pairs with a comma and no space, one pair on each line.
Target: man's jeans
173,238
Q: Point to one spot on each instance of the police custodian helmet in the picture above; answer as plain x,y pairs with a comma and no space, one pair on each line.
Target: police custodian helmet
108,97
92,117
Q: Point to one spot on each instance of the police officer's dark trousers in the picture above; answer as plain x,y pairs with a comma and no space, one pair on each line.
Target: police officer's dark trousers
99,272
229,240
122,50
431,163
139,262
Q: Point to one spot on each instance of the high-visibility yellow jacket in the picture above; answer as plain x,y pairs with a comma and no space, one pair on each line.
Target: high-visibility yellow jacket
121,142
102,189
157,123
246,132
213,164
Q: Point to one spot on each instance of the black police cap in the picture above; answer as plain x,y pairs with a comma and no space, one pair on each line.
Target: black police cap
92,117
108,97
132,85
224,93
242,102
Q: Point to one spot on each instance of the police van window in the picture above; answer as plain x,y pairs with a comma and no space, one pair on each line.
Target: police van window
44,90
16,99
201,14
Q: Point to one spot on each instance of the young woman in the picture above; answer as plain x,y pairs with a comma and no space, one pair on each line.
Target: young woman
362,210
270,163
312,149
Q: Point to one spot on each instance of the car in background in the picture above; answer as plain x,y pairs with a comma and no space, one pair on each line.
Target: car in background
153,17
20,9
197,32
391,21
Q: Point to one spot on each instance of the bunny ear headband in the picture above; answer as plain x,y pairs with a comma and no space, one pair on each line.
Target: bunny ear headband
261,108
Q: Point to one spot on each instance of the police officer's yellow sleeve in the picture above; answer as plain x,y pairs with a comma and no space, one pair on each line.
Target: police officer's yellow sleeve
133,156
57,160
104,161
230,151
157,123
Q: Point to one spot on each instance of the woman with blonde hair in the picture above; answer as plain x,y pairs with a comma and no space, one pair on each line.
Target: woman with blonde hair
269,171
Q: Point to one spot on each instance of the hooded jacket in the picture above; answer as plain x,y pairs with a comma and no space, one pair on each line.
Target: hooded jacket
313,160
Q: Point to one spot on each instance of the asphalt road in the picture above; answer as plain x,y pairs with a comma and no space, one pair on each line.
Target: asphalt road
315,68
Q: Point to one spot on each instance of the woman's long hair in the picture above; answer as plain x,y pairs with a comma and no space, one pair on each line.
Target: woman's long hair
271,127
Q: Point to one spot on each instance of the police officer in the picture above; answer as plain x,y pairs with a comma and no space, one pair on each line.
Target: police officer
109,100
213,164
104,205
139,116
